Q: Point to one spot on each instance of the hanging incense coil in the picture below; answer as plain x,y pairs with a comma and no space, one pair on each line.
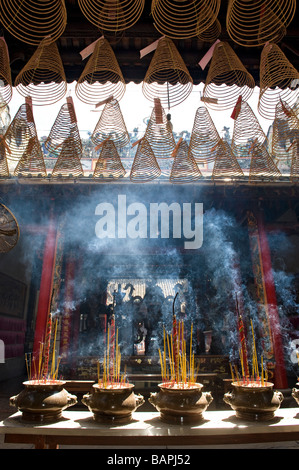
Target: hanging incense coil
5,75
204,137
184,168
101,77
262,165
294,173
68,163
285,130
43,77
4,171
112,15
159,133
9,230
109,164
279,80
32,161
226,165
65,126
182,19
252,24
167,77
211,33
145,166
227,79
21,129
111,124
30,21
246,130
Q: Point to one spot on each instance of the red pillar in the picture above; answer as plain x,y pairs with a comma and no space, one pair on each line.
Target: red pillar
280,371
45,294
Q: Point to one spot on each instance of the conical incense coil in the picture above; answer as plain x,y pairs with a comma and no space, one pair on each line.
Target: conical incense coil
204,137
211,33
5,75
279,80
262,165
20,131
30,21
181,19
167,77
252,24
43,77
112,15
4,171
294,174
285,129
227,79
101,77
184,168
109,164
226,165
159,133
111,124
68,163
246,130
145,166
32,160
64,127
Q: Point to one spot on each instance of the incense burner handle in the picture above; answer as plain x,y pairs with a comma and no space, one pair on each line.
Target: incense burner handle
208,397
139,399
279,396
153,398
71,400
228,398
12,400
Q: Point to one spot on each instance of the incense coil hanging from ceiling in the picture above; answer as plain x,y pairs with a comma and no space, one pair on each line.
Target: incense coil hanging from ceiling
184,168
227,79
262,165
252,24
182,19
279,80
285,131
5,75
32,161
109,164
112,15
211,33
68,163
226,165
43,77
4,171
145,167
30,21
111,124
204,137
101,77
9,230
159,133
294,173
167,76
21,129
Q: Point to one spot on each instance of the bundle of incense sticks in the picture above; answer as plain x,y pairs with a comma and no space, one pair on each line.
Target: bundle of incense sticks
38,369
111,376
258,376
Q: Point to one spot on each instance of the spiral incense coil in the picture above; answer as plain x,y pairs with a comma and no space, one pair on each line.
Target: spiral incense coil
112,15
285,130
294,173
68,163
9,230
32,160
246,130
167,77
5,75
279,80
182,19
252,24
204,137
226,165
30,21
227,79
4,171
145,166
101,77
262,165
43,77
211,33
111,124
184,168
20,131
64,127
159,133
109,164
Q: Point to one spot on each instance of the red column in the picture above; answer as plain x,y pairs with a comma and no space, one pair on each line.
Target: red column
280,372
45,294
